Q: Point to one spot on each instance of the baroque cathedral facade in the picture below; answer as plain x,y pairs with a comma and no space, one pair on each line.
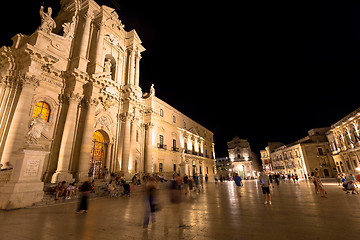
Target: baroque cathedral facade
71,92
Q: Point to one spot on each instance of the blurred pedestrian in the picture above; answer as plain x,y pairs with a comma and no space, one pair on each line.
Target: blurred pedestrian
277,180
150,205
186,183
85,193
175,198
197,183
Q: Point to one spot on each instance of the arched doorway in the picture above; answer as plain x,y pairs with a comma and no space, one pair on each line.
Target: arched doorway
97,157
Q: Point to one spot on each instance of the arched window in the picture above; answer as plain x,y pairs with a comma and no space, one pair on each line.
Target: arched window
42,108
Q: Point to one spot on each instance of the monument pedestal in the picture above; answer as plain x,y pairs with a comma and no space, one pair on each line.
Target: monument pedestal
60,176
24,186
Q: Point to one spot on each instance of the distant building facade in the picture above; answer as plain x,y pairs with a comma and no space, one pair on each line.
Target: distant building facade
267,165
243,160
305,157
344,140
222,163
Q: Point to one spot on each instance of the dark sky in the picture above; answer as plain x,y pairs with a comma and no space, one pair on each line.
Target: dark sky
264,71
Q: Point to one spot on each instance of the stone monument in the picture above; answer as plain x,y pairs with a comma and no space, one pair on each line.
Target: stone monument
24,186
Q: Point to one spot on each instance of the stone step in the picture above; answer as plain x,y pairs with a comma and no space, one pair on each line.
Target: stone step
101,190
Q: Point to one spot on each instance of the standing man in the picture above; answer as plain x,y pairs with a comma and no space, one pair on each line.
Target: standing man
265,186
237,180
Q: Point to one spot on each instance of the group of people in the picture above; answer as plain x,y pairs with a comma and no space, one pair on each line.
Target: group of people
348,183
62,191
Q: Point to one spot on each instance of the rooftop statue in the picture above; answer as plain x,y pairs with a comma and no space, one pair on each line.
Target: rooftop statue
47,23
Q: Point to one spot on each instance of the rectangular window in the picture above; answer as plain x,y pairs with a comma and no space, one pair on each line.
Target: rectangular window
161,140
348,165
320,151
174,144
174,167
160,167
355,163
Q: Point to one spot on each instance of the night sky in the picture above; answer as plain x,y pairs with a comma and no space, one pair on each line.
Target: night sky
264,71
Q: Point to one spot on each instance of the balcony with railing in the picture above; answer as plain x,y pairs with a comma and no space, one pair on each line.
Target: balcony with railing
162,146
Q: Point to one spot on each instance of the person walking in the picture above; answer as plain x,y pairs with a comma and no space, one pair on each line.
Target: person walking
318,185
237,180
265,186
196,182
150,206
176,199
277,180
85,193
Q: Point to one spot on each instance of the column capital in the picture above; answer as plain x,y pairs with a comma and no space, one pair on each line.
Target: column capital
91,102
148,125
29,81
70,97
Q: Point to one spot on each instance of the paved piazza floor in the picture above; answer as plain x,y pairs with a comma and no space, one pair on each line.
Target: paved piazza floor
217,213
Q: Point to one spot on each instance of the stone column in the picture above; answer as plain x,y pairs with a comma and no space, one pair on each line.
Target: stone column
137,68
120,142
79,59
99,48
149,148
67,141
126,146
131,70
7,108
109,152
86,142
131,166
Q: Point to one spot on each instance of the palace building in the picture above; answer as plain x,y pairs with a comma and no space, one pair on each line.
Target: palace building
303,157
71,106
344,139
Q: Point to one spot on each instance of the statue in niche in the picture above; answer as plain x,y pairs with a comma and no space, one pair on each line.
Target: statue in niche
37,126
107,65
47,23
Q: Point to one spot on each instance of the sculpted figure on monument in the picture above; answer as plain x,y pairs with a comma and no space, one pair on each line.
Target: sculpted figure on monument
47,23
37,126
152,90
107,66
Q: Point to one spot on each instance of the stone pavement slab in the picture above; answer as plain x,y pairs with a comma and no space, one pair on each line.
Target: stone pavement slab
216,213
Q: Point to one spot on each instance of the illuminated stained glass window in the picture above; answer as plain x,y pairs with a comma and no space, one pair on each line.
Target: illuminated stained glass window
97,155
44,109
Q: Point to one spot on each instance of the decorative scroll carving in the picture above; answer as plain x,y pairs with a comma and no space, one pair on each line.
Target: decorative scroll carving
69,29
